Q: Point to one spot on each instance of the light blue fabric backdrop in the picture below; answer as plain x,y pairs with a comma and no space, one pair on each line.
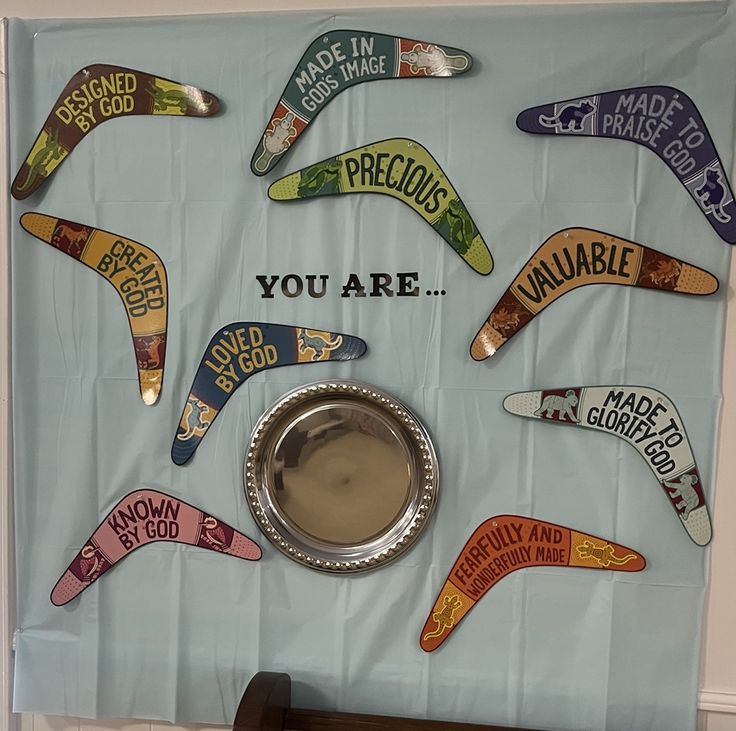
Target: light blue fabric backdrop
175,632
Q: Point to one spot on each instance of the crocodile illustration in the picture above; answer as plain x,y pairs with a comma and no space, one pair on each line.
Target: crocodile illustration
195,419
317,343
445,617
165,98
316,178
38,167
604,555
460,227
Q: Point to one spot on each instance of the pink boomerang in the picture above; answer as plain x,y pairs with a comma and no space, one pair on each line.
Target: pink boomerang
141,517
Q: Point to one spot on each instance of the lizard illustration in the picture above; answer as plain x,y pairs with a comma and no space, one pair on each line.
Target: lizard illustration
316,178
193,419
39,164
318,344
604,555
163,99
445,617
459,225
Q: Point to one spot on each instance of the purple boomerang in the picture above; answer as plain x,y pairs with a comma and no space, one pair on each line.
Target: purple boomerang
661,118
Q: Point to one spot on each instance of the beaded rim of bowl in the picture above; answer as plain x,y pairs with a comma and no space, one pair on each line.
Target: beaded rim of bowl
376,552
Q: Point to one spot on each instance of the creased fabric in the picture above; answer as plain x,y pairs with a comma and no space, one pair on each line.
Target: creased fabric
175,633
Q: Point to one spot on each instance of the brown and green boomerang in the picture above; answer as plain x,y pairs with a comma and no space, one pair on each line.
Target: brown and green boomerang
94,95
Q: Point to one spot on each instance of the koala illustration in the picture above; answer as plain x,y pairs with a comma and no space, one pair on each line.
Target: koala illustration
569,118
563,405
684,489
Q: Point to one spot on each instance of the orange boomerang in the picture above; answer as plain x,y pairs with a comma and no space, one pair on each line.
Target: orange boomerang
504,544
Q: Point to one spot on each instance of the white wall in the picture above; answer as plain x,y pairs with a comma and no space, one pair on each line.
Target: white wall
717,699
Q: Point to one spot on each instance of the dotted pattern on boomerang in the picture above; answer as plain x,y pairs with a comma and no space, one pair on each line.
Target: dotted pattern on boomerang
663,119
576,257
405,170
507,543
94,95
648,421
138,276
142,517
239,351
333,63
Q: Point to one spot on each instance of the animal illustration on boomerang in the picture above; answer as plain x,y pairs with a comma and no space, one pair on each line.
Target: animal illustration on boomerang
317,343
434,61
563,405
711,195
276,142
684,489
445,617
646,419
570,117
195,421
184,101
97,94
504,544
355,57
239,351
39,163
144,296
664,120
156,517
404,170
605,555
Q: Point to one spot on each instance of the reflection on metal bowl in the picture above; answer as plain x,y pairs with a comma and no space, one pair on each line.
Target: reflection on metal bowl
340,476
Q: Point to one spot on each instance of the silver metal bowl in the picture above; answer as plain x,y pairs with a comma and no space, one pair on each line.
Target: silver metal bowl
340,476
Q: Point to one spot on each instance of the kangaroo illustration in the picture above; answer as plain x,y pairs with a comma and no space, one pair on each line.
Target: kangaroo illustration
569,117
563,405
317,343
276,141
711,194
152,360
193,419
434,61
684,489
39,165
